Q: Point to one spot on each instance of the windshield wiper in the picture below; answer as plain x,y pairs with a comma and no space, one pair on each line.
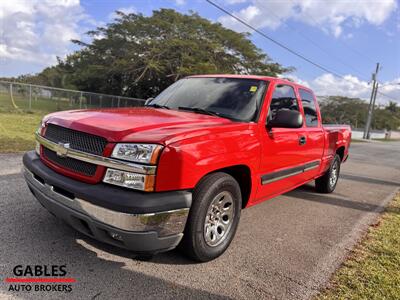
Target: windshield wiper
201,111
155,105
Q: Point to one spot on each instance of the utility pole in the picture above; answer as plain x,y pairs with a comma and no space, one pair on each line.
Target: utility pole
371,103
373,110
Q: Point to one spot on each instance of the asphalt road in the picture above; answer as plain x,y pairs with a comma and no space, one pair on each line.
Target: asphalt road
285,248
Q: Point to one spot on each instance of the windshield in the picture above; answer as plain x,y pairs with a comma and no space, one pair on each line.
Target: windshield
233,98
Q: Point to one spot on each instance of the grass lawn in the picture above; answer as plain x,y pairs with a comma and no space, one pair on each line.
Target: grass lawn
19,120
16,131
38,104
17,125
373,269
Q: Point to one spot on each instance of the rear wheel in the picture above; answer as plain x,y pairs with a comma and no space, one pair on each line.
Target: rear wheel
213,218
327,182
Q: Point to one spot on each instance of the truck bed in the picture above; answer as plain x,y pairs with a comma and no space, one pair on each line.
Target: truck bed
336,137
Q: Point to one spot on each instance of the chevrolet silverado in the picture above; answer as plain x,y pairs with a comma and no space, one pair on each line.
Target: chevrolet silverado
178,171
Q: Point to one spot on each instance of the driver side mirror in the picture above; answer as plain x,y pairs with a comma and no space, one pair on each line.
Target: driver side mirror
286,118
148,101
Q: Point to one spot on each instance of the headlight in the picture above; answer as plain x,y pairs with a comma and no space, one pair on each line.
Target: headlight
39,130
41,125
130,180
142,153
37,148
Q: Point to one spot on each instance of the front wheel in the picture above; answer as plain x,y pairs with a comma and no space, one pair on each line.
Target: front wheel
327,182
213,218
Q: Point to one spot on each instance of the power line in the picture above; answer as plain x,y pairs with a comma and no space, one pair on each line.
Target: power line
316,44
389,84
282,45
386,95
275,41
359,53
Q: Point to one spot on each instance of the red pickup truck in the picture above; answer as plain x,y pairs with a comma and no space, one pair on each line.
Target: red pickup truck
180,170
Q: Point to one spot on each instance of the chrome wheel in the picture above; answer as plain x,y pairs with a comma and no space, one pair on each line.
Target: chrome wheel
219,219
334,174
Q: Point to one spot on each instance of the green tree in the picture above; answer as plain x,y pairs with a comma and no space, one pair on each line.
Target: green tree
344,110
353,111
387,117
139,56
392,107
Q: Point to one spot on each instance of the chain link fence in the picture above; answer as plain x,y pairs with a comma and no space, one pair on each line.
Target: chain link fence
30,97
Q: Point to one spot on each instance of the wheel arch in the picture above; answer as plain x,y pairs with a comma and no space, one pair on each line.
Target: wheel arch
242,174
340,151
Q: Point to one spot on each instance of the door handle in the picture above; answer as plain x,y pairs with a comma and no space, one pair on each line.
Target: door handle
302,140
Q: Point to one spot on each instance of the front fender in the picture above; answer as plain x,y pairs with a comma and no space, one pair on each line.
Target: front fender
183,164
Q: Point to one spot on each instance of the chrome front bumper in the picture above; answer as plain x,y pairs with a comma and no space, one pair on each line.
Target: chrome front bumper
164,223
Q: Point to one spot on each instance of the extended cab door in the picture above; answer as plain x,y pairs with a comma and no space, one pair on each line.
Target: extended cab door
313,132
282,159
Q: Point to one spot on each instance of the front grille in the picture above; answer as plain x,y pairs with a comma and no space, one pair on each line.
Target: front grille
77,140
71,164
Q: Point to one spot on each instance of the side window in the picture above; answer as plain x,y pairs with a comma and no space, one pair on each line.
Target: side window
310,111
282,98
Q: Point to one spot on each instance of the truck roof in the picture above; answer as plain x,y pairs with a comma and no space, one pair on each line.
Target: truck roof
259,77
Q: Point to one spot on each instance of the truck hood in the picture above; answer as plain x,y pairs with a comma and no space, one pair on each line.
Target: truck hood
148,125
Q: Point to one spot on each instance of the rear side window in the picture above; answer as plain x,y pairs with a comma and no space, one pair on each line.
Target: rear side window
282,98
310,111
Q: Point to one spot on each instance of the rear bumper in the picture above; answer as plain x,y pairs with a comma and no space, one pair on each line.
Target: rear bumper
141,222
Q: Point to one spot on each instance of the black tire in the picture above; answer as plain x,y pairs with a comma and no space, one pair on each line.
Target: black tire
326,183
197,239
144,256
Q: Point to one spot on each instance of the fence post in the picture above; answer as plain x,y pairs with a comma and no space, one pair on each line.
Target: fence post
30,97
12,97
80,101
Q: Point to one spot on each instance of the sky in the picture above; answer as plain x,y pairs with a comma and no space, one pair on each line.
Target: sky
346,37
